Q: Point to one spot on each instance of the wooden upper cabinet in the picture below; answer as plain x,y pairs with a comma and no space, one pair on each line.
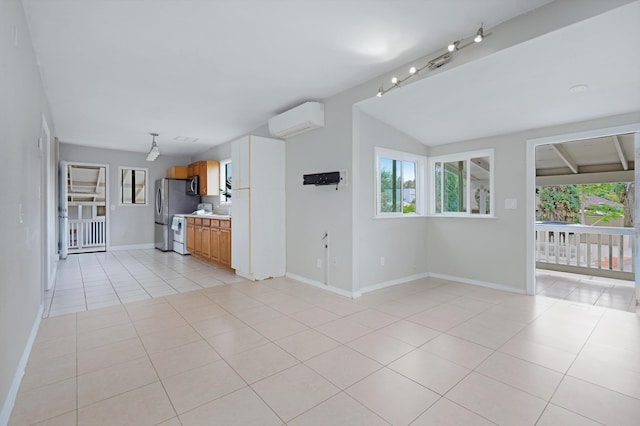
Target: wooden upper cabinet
177,172
208,172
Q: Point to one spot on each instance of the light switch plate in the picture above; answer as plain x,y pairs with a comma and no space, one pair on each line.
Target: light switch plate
510,203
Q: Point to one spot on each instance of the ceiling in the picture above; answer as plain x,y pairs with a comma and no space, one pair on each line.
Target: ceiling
85,184
526,86
586,156
113,71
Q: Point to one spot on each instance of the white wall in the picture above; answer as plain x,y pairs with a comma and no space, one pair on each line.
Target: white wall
128,225
312,211
493,251
22,104
402,241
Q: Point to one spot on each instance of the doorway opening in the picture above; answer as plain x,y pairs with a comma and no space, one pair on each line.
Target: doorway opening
84,192
582,238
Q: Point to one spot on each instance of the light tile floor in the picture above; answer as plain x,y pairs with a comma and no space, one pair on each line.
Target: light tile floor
280,352
96,280
598,291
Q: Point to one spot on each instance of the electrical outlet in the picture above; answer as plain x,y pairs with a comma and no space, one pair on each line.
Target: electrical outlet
319,263
382,260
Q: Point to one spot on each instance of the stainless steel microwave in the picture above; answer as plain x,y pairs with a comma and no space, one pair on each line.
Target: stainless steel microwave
193,187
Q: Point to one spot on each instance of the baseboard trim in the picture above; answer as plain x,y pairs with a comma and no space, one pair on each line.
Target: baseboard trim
390,283
318,284
10,400
478,283
132,247
52,278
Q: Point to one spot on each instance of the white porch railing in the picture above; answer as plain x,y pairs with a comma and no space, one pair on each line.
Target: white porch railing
86,234
595,250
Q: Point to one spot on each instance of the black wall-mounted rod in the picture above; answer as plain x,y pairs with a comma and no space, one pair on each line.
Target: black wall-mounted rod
328,178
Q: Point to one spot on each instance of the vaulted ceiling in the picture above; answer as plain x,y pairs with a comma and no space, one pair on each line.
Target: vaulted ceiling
587,70
211,71
214,70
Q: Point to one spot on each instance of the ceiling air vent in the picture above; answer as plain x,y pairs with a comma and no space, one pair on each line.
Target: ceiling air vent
298,120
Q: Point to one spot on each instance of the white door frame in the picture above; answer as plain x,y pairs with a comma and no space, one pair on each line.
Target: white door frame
63,210
64,204
531,193
49,239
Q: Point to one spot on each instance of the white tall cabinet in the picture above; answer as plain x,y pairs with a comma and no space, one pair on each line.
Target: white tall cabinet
258,243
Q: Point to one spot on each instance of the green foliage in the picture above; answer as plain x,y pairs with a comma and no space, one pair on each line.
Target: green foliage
609,191
387,188
409,208
559,203
607,212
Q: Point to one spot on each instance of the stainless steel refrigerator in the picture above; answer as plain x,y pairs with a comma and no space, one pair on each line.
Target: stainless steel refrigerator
171,198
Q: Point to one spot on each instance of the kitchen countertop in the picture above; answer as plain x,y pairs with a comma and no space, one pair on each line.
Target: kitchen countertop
210,216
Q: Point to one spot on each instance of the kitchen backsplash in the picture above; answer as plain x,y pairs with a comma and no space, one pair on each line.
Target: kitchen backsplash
218,206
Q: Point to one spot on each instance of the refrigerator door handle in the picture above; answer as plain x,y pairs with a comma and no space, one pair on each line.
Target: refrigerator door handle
159,201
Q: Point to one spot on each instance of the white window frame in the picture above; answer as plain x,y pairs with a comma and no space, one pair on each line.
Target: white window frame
420,162
223,179
146,186
462,156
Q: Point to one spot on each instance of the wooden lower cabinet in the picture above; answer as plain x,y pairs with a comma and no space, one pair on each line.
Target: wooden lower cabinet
191,234
205,238
225,247
215,244
210,240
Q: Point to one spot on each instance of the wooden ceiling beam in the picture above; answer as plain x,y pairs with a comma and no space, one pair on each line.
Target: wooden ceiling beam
565,157
623,160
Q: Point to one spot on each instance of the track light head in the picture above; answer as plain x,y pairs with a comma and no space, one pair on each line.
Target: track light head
479,35
435,63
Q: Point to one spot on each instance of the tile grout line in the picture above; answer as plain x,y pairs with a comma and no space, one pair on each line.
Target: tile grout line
565,374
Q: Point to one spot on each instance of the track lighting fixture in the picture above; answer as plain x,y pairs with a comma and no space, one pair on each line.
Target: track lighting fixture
437,62
154,151
479,35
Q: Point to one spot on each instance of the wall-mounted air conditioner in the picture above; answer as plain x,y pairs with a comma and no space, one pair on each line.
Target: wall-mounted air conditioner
300,119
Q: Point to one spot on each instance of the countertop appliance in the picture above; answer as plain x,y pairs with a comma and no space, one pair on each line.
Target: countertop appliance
171,199
179,228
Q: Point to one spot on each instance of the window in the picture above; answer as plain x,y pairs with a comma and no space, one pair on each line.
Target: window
399,183
462,184
133,186
225,181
